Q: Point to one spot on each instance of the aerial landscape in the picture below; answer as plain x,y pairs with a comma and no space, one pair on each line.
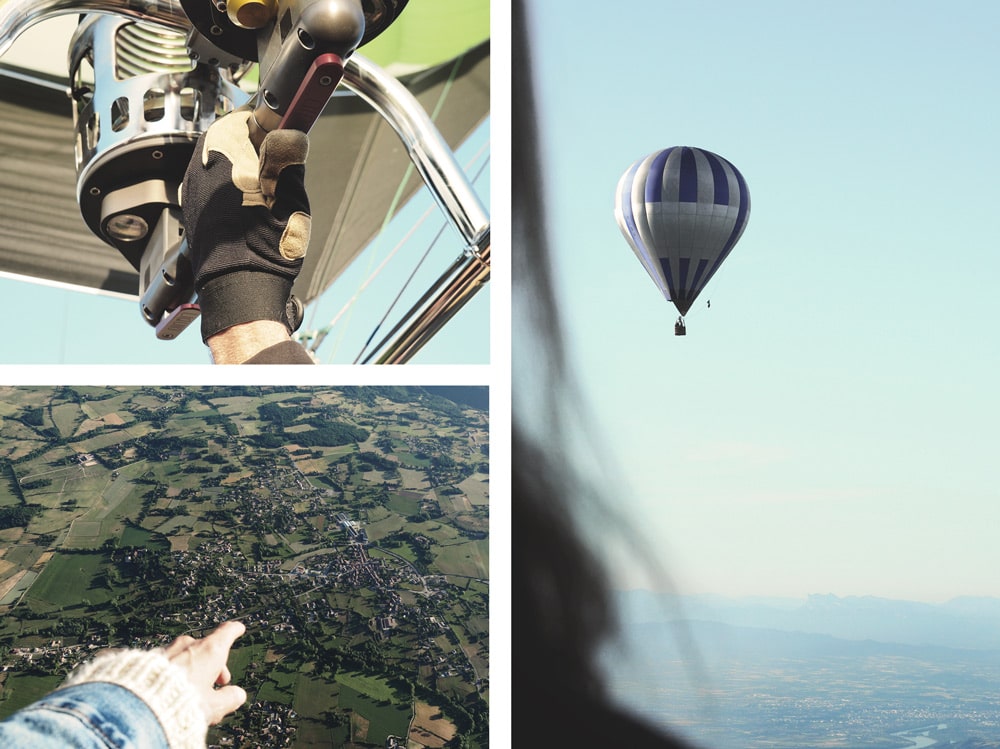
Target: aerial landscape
834,672
347,527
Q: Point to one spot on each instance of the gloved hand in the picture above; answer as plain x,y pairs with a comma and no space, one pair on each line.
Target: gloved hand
247,223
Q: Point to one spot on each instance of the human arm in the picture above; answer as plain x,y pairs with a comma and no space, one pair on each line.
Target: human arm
136,699
247,222
257,342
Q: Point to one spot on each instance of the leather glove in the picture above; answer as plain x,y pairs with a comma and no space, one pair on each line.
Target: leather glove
247,223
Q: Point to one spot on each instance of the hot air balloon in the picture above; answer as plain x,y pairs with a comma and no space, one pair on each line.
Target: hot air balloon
682,210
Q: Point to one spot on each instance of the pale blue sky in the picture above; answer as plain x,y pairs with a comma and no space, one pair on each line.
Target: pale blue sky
829,424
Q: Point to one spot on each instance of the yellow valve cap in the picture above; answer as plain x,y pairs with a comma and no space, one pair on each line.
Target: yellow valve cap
251,14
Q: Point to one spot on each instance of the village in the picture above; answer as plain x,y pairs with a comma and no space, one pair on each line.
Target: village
293,560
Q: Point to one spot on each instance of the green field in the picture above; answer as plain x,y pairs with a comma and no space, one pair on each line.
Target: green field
405,504
133,536
102,404
69,482
404,551
20,690
69,578
372,686
8,498
67,417
410,460
117,491
23,555
315,696
384,717
280,686
242,656
477,489
388,525
22,585
469,558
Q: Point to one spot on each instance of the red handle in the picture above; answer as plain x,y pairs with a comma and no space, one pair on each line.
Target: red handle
313,93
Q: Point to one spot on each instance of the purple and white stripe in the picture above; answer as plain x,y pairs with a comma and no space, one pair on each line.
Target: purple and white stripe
682,210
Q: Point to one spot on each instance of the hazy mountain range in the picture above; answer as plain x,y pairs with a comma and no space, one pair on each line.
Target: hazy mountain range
859,672
963,623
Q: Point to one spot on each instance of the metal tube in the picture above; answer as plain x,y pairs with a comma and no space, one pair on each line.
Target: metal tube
16,16
460,282
428,150
453,192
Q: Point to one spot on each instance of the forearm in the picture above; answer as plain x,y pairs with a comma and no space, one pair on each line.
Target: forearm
239,343
86,716
260,342
132,699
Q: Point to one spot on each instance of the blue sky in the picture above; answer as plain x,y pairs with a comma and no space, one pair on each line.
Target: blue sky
828,425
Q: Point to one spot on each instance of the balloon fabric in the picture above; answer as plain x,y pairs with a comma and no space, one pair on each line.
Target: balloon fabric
682,210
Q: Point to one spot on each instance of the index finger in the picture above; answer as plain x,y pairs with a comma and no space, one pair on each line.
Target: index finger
226,634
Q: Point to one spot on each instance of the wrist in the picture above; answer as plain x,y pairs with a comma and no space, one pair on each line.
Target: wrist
241,342
243,297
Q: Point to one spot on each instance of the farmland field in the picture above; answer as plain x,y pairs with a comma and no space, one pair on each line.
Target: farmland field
65,576
23,689
157,511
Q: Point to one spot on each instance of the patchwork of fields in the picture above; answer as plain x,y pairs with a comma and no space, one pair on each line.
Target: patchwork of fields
347,527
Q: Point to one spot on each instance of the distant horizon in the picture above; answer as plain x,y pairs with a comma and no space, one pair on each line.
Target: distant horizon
800,596
961,623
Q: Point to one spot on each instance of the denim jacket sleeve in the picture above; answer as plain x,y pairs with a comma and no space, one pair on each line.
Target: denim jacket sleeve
124,699
94,715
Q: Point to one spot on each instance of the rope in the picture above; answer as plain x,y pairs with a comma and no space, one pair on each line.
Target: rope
420,262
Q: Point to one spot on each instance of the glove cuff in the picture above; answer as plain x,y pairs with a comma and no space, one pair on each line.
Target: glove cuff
242,297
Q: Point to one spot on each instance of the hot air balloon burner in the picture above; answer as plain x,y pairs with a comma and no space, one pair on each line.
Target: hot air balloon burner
139,104
143,93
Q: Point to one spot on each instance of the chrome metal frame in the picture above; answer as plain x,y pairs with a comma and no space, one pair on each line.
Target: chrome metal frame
442,174
16,16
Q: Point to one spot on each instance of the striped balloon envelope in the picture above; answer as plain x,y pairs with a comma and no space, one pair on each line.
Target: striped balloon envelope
682,210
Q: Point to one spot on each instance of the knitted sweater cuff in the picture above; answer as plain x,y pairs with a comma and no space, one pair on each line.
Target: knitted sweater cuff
158,682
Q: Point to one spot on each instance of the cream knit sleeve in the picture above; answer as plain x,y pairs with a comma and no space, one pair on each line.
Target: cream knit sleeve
159,683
